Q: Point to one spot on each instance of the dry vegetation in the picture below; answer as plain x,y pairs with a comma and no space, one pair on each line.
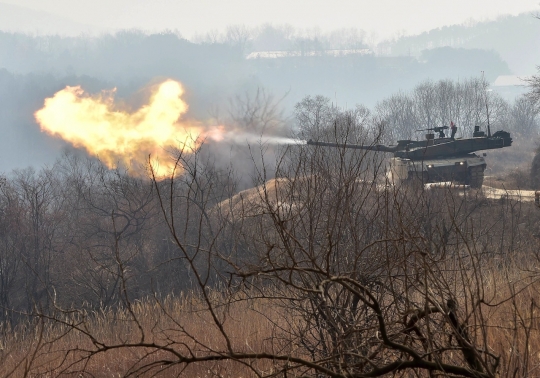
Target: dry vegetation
322,269
253,325
321,272
510,168
41,347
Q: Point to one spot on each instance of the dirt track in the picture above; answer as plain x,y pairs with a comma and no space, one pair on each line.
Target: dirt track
522,195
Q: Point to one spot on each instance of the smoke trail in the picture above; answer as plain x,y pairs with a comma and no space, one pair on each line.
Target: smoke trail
241,137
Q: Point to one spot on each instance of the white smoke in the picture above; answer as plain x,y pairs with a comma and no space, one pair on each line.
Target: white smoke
239,137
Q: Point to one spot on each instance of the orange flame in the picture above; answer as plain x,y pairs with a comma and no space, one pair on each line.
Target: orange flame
119,137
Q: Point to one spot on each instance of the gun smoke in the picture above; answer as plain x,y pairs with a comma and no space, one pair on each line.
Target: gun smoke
118,136
240,137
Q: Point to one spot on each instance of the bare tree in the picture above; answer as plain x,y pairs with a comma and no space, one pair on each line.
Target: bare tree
398,113
467,104
534,90
352,277
346,274
239,36
524,118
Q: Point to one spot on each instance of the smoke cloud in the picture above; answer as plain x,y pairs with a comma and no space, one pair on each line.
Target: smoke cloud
118,136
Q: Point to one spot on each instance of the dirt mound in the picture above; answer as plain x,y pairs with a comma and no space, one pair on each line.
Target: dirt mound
254,201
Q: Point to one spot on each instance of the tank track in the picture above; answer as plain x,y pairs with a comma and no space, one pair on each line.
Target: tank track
476,176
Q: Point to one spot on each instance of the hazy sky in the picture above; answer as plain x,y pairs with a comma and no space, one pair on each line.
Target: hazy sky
384,18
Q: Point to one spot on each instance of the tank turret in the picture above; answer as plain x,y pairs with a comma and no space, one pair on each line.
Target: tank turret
438,159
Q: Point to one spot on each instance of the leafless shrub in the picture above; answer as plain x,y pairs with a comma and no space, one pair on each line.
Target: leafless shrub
322,269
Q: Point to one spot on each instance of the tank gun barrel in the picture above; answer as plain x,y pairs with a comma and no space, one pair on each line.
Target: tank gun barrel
373,147
432,148
435,160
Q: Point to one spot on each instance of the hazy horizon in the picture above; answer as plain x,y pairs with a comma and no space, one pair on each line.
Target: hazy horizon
216,72
382,20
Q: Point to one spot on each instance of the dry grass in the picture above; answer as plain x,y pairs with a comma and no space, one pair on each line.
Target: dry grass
515,331
42,347
39,349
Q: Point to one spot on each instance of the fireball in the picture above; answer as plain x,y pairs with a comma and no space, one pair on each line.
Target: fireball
119,137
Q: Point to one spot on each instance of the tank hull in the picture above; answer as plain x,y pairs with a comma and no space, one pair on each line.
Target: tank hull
467,170
437,160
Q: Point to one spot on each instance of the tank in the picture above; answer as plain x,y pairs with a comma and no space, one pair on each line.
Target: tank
438,159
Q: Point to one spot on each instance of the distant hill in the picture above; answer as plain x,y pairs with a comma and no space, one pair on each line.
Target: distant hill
21,19
515,38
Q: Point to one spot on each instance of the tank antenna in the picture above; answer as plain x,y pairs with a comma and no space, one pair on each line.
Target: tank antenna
486,102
